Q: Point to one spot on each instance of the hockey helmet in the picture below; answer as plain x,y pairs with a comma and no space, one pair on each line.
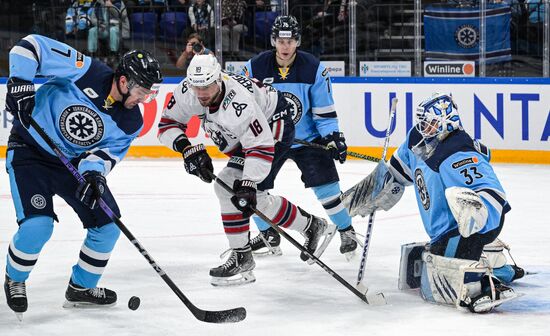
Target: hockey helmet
139,67
437,115
203,70
285,26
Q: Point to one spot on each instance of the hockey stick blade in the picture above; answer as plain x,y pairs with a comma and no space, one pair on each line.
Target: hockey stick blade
378,299
220,316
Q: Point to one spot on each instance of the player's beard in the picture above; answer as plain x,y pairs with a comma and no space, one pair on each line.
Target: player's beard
212,101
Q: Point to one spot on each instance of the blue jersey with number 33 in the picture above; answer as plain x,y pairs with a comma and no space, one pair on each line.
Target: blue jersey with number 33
458,161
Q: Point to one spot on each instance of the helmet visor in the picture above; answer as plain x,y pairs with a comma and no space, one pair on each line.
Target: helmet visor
143,94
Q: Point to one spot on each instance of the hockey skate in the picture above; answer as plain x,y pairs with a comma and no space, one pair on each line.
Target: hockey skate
237,270
266,243
80,297
486,301
16,296
349,242
317,229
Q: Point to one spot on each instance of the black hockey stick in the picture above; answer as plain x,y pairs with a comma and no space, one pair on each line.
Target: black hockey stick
220,316
375,299
350,153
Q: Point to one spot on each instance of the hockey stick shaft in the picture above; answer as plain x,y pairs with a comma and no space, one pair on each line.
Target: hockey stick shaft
232,315
350,153
297,245
361,271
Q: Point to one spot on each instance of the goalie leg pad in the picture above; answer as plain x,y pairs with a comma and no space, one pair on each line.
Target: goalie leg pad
494,255
410,267
450,280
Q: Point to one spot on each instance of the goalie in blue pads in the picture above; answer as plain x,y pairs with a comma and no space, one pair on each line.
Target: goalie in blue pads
462,205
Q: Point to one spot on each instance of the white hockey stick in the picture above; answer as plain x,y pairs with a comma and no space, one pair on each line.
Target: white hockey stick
360,273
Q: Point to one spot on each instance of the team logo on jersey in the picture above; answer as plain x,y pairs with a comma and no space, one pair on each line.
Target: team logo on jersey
464,162
295,106
228,98
284,72
422,189
218,139
38,201
239,108
81,125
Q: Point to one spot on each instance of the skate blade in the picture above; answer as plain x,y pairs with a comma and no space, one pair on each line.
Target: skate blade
274,251
19,316
235,280
487,307
85,305
350,255
328,235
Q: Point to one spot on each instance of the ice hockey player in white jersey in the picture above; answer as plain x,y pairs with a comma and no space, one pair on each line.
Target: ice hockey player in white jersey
462,205
251,124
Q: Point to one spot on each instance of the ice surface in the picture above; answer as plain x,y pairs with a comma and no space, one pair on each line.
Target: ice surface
176,218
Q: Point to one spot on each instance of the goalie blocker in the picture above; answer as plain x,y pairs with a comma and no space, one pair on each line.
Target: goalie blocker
451,281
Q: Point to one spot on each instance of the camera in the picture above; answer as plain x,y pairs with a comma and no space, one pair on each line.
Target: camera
197,47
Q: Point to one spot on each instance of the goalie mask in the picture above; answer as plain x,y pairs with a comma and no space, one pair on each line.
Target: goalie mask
285,27
437,116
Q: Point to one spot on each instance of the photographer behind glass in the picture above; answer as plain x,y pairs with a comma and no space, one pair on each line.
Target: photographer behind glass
195,46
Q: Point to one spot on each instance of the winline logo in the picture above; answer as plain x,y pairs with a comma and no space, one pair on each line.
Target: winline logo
458,69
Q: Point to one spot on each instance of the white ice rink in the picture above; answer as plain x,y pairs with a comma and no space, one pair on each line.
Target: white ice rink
176,218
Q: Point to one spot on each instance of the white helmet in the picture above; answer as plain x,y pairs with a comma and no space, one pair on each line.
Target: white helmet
203,70
437,115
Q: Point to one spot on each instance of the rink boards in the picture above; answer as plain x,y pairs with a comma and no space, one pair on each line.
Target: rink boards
510,115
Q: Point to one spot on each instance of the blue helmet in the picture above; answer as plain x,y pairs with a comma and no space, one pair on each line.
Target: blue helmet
437,115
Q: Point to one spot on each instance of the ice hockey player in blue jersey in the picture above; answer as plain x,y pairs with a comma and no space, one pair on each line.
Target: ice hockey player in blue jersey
462,205
92,114
305,83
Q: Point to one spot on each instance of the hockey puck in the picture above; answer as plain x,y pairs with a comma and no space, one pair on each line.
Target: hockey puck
134,302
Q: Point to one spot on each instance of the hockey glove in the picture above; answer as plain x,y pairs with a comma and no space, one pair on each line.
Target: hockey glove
90,192
337,145
245,197
198,162
20,100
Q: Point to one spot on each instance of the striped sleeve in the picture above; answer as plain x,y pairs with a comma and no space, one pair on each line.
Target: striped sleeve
322,103
399,166
39,55
170,131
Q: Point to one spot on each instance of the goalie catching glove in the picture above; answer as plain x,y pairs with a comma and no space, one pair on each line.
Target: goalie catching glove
468,209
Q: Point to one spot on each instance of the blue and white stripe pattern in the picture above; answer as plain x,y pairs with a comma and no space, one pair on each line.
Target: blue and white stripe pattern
26,245
94,255
97,159
329,196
